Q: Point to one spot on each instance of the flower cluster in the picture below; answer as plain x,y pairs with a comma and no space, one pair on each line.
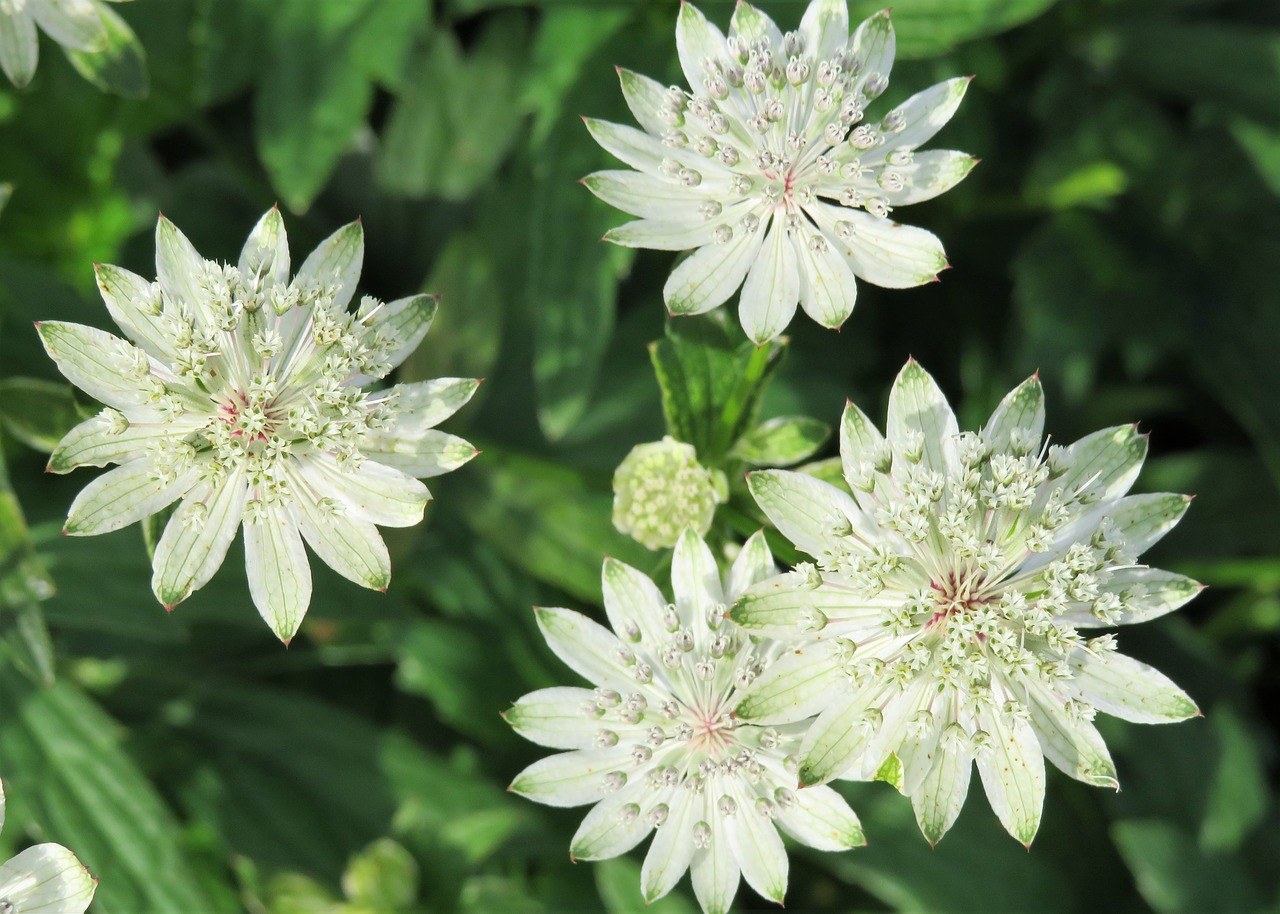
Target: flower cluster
75,24
657,744
944,622
659,489
770,168
243,394
44,879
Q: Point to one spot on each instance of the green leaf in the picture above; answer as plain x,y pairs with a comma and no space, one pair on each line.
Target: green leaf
1262,145
6,191
23,578
1175,876
711,382
1238,796
37,412
925,28
121,67
62,759
383,876
782,441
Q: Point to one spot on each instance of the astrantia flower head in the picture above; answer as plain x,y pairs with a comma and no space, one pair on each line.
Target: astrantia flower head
44,879
769,166
243,394
74,24
659,489
657,745
951,598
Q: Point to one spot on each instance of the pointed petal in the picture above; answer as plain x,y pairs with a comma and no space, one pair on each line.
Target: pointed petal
335,262
104,366
422,455
942,793
926,112
264,261
1012,771
827,289
1141,521
807,511
19,47
1021,408
820,817
570,778
47,879
1072,744
708,277
349,546
918,753
129,299
645,97
697,40
279,576
73,24
1105,463
586,647
835,738
634,605
94,443
179,267
614,825
1145,594
772,288
370,492
646,195
714,873
932,172
752,24
917,404
665,235
753,564
757,848
784,609
123,496
825,28
399,327
860,440
672,848
196,538
425,404
873,46
1118,685
881,251
638,149
695,580
555,717
796,686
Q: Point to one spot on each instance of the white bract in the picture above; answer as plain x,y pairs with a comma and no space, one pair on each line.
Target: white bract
44,879
945,618
656,744
243,395
74,24
769,169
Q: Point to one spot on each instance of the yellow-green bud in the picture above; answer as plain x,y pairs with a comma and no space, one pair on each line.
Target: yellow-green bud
659,489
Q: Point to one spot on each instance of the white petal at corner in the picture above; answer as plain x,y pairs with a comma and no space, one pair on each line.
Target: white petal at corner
825,27
99,363
697,40
189,553
47,879
264,259
371,492
757,848
123,496
19,47
349,546
1012,771
631,598
74,24
711,274
881,251
569,778
178,270
279,575
821,818
714,872
336,262
771,291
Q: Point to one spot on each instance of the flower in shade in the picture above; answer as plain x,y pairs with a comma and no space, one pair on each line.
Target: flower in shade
243,397
44,879
75,24
946,619
656,744
659,489
770,169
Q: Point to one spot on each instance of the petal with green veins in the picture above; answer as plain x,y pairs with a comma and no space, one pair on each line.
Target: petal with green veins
279,576
917,404
586,647
714,873
631,598
873,46
19,47
264,260
753,564
927,112
127,296
92,443
1021,408
568,779
708,277
1073,745
697,40
100,364
820,817
47,879
827,285
695,579
179,267
645,97
1123,687
1145,594
350,546
335,262
752,24
1106,463
807,511
930,173
756,847
672,848
421,455
881,251
197,537
614,825
825,27
370,492
124,496
796,686
771,291
665,234
554,717
1141,521
424,404
942,792
646,196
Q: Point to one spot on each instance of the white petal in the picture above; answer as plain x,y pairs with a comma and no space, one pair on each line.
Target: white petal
1012,770
127,295
1145,594
1021,408
123,496
73,24
47,879
807,511
697,40
178,269
633,603
635,147
1106,462
370,492
927,112
942,793
645,195
825,28
349,546
424,404
757,848
714,873
835,738
873,46
570,778
820,817
335,262
101,365
917,404
882,251
586,647
19,47
92,443
1072,744
279,576
797,685
400,326
614,825
645,97
781,608
860,440
752,24
1141,521
753,564
554,717
695,579
664,235
422,454
705,279
1118,685
932,172
918,754
672,848
264,260
196,539
828,288
772,288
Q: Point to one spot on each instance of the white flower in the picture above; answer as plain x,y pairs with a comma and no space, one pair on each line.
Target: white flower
656,743
659,489
243,394
769,169
955,588
74,24
44,879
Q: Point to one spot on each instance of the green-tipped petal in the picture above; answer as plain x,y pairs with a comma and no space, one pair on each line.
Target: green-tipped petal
335,263
873,46
279,576
697,40
424,404
807,511
370,492
74,24
123,496
634,604
1105,463
645,97
96,443
825,27
401,324
754,563
715,874
568,779
586,647
130,300
614,825
695,579
104,366
796,686
554,717
19,47
835,739
665,234
752,24
927,112
820,817
179,267
1072,744
349,546
1012,771
1141,521
264,260
1118,685
1021,408
421,455
646,196
917,405
828,289
671,850
708,277
931,172
196,539
772,287
758,849
941,795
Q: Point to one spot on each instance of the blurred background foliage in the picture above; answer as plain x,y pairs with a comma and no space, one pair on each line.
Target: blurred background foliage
1121,236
